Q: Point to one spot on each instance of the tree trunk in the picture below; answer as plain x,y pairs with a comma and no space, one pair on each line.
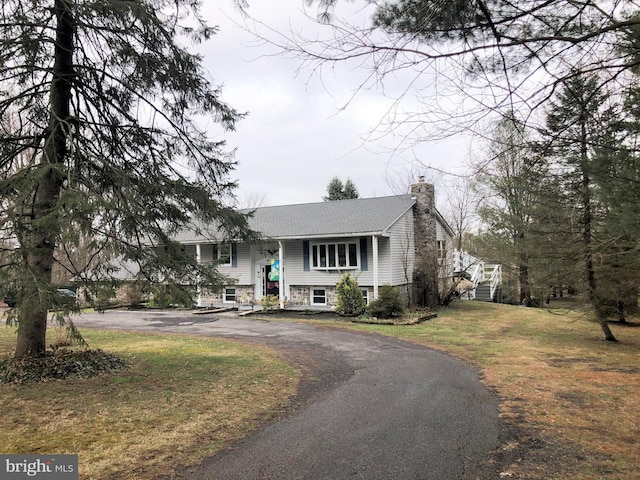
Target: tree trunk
601,315
523,279
41,229
620,310
587,218
32,314
629,299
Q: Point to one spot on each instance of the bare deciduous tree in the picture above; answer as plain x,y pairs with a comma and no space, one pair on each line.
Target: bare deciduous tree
451,65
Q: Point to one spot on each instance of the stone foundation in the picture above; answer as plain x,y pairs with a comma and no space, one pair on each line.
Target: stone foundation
301,295
244,294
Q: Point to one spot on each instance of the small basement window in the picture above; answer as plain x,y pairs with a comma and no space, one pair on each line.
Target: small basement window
365,295
318,296
230,295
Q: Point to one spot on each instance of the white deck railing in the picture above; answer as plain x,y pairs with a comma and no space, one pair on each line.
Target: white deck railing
495,280
462,261
477,271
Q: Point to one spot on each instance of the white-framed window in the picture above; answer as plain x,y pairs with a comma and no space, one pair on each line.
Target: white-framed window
365,295
229,295
190,250
442,249
222,253
318,296
339,255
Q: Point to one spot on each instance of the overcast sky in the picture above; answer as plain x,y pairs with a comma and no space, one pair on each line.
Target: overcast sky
296,137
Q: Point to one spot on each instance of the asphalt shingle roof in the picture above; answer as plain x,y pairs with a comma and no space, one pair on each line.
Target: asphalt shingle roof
325,219
342,217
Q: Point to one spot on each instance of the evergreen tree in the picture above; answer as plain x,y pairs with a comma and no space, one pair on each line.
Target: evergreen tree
509,185
100,140
622,169
617,172
350,190
580,128
336,190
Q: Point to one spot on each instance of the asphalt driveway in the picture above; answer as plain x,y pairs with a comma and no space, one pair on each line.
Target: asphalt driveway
371,407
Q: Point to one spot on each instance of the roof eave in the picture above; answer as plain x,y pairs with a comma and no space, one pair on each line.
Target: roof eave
331,235
383,233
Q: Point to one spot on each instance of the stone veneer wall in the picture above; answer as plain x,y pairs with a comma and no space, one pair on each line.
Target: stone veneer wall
301,295
425,215
209,298
425,274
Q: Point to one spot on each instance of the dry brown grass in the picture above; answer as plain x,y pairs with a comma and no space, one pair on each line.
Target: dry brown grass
573,398
578,395
182,400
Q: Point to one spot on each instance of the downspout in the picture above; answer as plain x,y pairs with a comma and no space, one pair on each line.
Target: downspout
281,277
374,244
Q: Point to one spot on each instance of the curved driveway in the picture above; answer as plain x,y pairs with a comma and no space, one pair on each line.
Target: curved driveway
373,408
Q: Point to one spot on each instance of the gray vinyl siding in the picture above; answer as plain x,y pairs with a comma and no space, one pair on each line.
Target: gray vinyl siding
190,250
442,234
402,250
384,263
446,263
242,272
296,275
391,257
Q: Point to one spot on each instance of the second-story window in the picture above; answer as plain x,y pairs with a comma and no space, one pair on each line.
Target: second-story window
339,255
222,253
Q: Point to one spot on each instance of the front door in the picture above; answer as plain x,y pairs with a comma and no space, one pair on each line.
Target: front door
269,287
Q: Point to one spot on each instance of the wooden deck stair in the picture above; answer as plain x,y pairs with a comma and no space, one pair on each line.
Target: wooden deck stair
485,277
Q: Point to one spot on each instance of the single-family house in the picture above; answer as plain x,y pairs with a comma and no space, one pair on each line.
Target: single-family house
310,246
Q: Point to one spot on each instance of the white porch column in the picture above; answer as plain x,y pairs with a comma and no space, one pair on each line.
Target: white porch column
199,261
374,242
281,277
